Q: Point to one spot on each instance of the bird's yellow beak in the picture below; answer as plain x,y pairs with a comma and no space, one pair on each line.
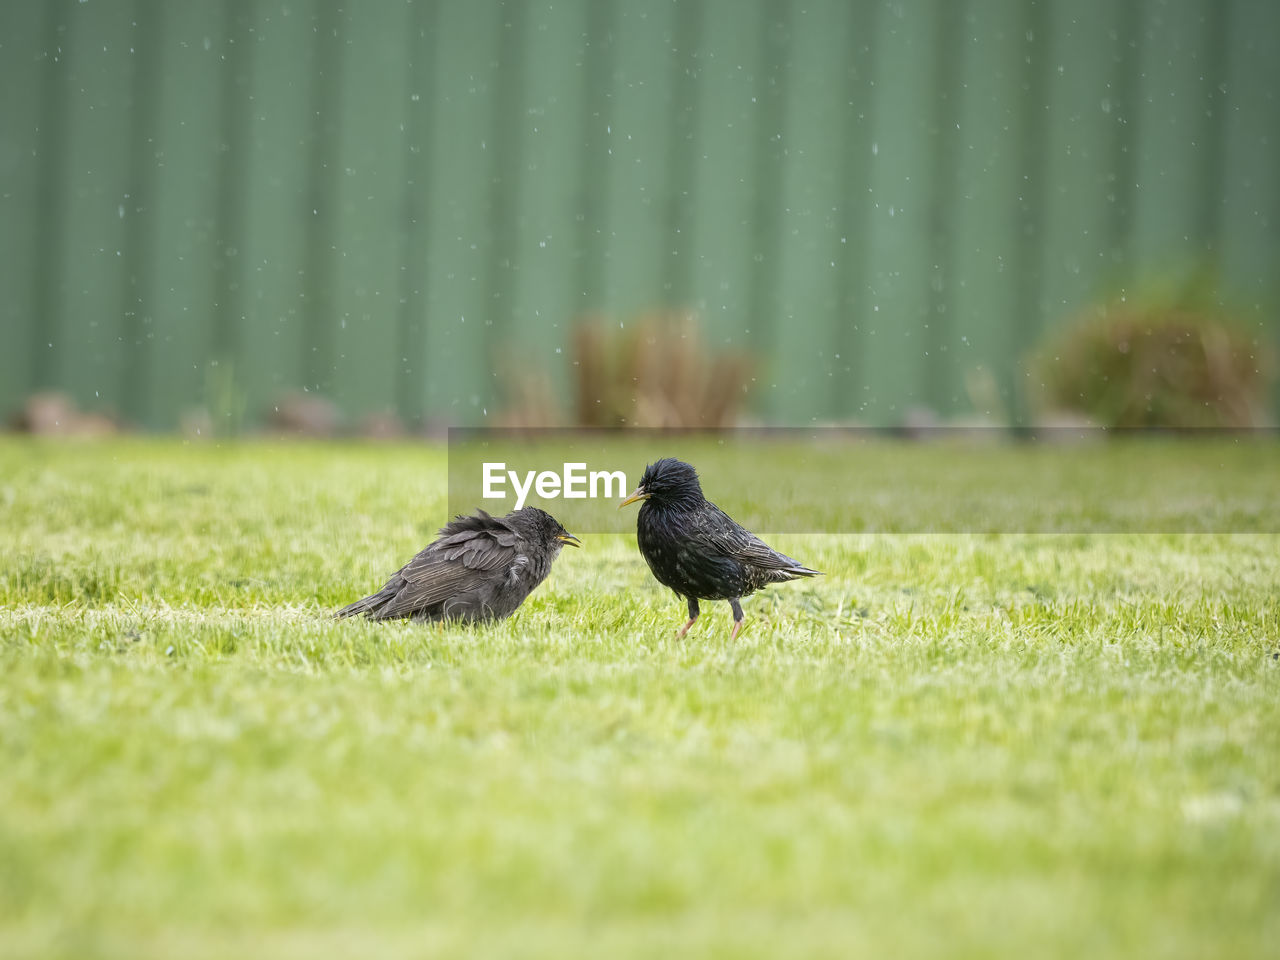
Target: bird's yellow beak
570,539
640,494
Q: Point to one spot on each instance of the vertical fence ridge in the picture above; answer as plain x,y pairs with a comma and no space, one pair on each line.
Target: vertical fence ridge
139,247
323,195
766,170
504,178
678,239
1028,259
1218,16
51,216
948,55
855,205
415,250
234,124
1123,111
598,69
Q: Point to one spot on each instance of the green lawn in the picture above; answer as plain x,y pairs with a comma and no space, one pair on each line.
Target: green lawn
1013,746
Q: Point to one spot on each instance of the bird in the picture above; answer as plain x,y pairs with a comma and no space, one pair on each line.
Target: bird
696,549
479,568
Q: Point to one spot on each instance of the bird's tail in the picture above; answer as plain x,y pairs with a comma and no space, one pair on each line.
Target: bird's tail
369,604
793,571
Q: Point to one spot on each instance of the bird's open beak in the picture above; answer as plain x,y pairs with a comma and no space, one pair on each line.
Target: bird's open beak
570,539
640,494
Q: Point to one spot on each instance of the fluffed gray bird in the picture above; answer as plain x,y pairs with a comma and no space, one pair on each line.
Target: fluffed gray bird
480,568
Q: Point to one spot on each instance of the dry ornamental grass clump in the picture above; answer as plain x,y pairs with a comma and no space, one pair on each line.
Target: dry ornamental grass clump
658,372
1181,366
655,371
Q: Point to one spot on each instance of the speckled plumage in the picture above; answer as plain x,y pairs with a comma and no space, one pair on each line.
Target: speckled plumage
480,568
696,549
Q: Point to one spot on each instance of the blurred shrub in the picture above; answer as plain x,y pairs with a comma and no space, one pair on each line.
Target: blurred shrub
657,371
1162,359
54,414
305,415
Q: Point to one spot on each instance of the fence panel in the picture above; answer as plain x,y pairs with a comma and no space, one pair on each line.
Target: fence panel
395,205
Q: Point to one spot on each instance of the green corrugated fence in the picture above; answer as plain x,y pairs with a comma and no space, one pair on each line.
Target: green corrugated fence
384,202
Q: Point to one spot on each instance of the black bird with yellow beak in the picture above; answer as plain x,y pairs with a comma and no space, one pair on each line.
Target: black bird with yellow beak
696,549
480,568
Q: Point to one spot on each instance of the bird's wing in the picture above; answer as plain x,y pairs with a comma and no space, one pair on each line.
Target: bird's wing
720,534
452,564
492,547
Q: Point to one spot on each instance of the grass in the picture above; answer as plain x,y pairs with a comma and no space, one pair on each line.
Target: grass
949,745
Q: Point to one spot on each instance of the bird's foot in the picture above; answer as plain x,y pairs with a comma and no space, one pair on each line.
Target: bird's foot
733,634
685,628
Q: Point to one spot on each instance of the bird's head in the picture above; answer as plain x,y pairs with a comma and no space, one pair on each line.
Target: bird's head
541,527
667,481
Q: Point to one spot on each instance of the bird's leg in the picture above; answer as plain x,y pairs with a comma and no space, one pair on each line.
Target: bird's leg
693,615
737,618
